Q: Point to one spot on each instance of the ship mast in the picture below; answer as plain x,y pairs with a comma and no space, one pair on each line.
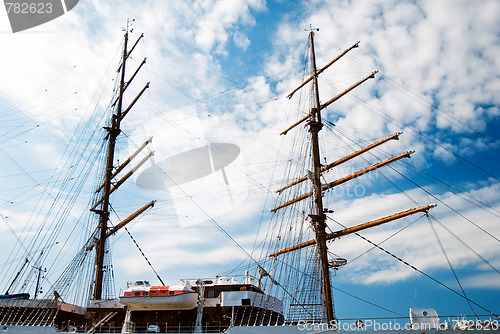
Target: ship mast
103,210
318,216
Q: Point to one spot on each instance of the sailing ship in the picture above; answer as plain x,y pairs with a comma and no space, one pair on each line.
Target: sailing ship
293,290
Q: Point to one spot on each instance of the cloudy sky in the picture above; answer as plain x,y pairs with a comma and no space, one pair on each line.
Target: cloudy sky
220,72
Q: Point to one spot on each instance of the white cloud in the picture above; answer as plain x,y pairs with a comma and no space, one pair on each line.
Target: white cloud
241,40
219,17
484,281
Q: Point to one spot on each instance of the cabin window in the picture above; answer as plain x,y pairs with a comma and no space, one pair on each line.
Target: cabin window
171,292
246,302
138,293
210,294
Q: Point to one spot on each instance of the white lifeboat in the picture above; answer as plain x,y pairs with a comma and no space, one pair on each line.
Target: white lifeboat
140,295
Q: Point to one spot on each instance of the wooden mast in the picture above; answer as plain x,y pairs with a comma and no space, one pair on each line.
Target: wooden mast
318,218
113,132
103,212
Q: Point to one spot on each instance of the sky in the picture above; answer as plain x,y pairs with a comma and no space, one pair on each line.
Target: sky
219,72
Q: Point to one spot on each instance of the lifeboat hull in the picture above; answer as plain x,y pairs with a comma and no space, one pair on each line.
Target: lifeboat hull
184,301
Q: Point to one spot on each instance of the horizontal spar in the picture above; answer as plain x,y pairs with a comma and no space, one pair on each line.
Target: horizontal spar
124,178
124,222
355,45
345,179
344,159
357,228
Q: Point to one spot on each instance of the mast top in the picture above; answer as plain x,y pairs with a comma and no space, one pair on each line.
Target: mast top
311,29
128,28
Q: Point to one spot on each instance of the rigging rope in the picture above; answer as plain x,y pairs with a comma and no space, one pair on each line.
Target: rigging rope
144,255
427,275
463,243
449,263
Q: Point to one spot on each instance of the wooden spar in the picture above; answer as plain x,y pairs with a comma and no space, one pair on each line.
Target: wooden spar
124,178
355,45
345,179
370,76
295,200
132,171
380,221
126,162
131,78
135,100
363,150
125,222
135,44
366,170
344,159
130,218
295,124
322,106
130,52
135,73
357,228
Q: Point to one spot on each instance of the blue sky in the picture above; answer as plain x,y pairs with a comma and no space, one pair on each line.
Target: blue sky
220,71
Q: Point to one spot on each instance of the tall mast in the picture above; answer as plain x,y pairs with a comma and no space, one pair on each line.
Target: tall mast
113,132
318,218
103,213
